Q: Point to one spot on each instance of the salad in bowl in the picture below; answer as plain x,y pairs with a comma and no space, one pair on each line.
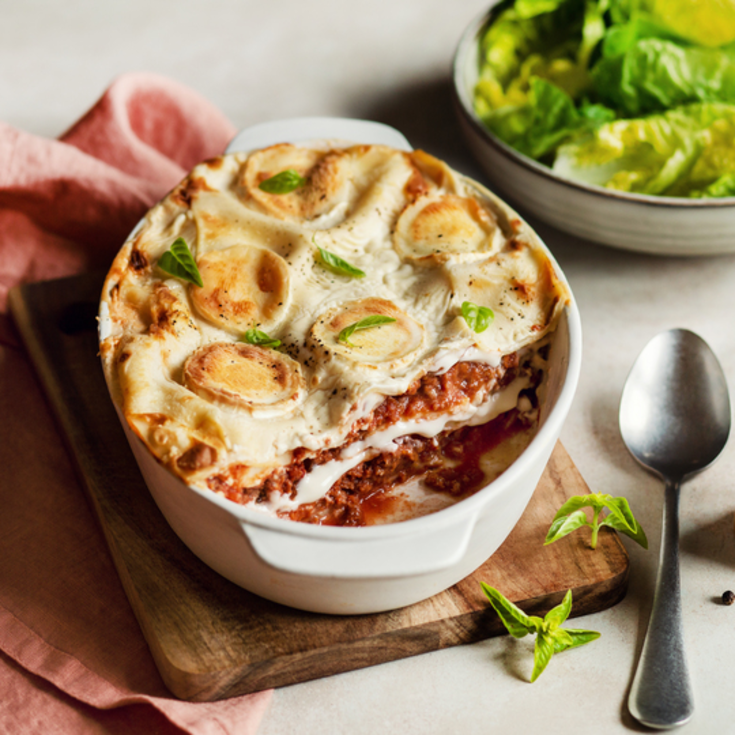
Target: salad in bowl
634,96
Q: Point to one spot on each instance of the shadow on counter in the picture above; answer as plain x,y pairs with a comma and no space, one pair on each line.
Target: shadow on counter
424,113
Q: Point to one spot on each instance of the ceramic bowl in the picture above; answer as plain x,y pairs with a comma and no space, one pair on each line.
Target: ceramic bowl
650,224
370,569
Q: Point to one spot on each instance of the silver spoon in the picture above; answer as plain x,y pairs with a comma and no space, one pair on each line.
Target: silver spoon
675,420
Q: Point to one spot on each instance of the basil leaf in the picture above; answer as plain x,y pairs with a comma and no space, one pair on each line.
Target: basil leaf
335,264
542,653
256,337
566,638
638,535
565,525
550,637
596,501
374,320
282,183
562,640
571,517
513,618
574,503
599,500
580,637
557,615
620,508
478,318
179,262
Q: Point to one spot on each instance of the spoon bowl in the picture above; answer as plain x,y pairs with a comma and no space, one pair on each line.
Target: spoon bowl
675,408
675,420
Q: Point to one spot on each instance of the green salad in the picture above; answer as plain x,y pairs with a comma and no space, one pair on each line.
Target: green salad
633,95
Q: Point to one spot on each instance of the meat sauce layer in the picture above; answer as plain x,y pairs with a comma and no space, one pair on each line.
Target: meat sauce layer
450,461
434,395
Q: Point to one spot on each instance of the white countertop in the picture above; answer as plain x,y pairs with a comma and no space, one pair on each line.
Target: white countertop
390,61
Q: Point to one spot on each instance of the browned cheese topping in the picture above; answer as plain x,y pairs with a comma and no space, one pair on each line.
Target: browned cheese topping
325,358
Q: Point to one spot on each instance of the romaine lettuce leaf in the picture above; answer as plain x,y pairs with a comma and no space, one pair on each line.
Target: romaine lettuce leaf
702,22
723,187
654,75
529,27
593,30
705,22
525,39
713,173
547,119
683,152
532,8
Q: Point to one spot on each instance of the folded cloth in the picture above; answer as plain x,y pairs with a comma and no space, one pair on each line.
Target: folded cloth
67,205
72,657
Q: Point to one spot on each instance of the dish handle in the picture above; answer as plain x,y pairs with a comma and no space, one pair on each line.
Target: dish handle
382,555
302,129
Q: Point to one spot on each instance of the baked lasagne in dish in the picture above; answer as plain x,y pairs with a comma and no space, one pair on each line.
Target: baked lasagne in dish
331,333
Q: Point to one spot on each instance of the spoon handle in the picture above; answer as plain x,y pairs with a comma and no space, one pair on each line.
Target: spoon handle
661,695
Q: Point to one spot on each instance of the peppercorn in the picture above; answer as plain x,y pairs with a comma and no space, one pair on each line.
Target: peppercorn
728,597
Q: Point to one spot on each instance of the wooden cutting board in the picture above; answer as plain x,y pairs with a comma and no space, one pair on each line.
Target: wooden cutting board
209,638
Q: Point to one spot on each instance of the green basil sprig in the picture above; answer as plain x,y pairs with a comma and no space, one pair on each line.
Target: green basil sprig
256,337
374,320
551,638
478,318
282,183
571,516
335,264
178,261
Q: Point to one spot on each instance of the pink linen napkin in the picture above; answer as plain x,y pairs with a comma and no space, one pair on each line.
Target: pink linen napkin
72,657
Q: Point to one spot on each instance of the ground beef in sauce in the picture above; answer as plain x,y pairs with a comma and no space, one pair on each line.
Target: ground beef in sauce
428,396
438,394
369,482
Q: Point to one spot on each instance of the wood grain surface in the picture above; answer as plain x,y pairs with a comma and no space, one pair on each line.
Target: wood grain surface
211,639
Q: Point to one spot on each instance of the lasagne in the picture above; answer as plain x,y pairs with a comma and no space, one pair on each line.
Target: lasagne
331,333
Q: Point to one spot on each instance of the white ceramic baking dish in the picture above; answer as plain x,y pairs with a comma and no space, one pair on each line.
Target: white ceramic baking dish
372,569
